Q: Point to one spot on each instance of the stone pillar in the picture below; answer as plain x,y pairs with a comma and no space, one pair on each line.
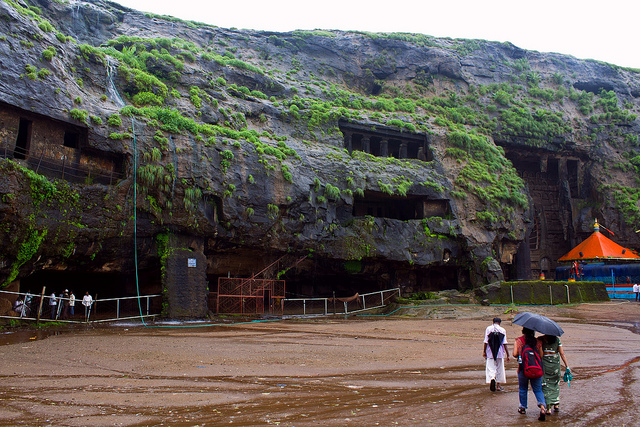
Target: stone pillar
421,155
348,141
366,144
543,163
562,169
384,148
184,279
403,150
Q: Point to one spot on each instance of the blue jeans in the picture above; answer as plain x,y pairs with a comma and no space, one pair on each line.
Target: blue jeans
536,386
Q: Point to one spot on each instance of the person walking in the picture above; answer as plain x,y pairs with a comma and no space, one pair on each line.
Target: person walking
494,351
636,290
87,301
528,338
552,352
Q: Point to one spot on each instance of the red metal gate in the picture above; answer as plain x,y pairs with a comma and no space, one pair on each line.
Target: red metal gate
249,296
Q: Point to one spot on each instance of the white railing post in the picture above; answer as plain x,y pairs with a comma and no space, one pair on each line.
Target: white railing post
117,308
304,306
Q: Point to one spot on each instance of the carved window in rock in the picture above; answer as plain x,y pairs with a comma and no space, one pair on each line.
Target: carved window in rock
407,208
213,209
385,142
71,139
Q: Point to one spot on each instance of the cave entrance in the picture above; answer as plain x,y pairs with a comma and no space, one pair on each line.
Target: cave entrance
321,278
328,284
384,141
442,278
100,286
23,141
381,205
71,139
546,176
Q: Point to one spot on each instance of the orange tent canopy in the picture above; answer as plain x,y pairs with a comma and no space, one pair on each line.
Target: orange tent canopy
599,248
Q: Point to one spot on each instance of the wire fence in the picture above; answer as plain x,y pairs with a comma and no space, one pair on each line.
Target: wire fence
62,168
67,308
326,306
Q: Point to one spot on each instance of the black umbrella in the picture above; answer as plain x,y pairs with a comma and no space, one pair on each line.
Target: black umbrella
495,342
538,323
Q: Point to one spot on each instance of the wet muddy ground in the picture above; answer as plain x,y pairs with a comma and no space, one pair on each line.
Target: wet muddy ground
408,371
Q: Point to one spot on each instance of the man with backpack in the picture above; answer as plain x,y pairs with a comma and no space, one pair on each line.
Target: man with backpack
494,351
528,350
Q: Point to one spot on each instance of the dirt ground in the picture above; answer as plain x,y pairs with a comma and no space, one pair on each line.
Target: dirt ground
418,366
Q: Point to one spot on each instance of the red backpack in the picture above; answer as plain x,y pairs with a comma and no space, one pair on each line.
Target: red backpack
531,362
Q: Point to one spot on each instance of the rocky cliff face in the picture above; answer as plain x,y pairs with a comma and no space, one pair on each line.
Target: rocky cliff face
387,160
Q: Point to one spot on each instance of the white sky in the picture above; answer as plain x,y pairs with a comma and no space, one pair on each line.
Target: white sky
604,30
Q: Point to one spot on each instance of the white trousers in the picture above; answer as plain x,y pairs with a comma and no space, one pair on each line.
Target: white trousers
495,370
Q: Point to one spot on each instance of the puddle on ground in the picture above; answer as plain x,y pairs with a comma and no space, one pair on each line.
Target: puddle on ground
23,335
407,398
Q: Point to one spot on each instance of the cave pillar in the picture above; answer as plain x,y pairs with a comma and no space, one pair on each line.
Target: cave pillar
348,141
421,155
543,163
366,144
184,279
562,169
403,150
384,148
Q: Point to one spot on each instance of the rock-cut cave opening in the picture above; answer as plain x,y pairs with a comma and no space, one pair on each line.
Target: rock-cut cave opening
99,285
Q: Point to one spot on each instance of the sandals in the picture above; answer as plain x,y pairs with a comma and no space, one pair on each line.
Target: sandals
522,410
556,408
543,414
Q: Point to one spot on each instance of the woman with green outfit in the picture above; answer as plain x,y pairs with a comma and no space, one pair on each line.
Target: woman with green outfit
551,354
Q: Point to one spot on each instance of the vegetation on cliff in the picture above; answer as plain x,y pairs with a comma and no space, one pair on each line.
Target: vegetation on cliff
248,125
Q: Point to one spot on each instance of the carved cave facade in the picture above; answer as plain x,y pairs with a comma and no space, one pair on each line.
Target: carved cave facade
556,182
55,148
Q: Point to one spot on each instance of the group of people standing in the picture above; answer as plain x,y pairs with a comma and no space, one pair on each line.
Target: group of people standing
546,388
63,305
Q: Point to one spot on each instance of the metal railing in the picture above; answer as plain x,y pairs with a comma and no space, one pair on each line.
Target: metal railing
26,306
326,306
61,168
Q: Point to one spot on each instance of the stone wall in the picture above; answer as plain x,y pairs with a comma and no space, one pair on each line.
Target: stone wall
543,292
185,278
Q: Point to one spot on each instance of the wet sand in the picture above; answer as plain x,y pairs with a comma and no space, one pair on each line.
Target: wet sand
364,371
